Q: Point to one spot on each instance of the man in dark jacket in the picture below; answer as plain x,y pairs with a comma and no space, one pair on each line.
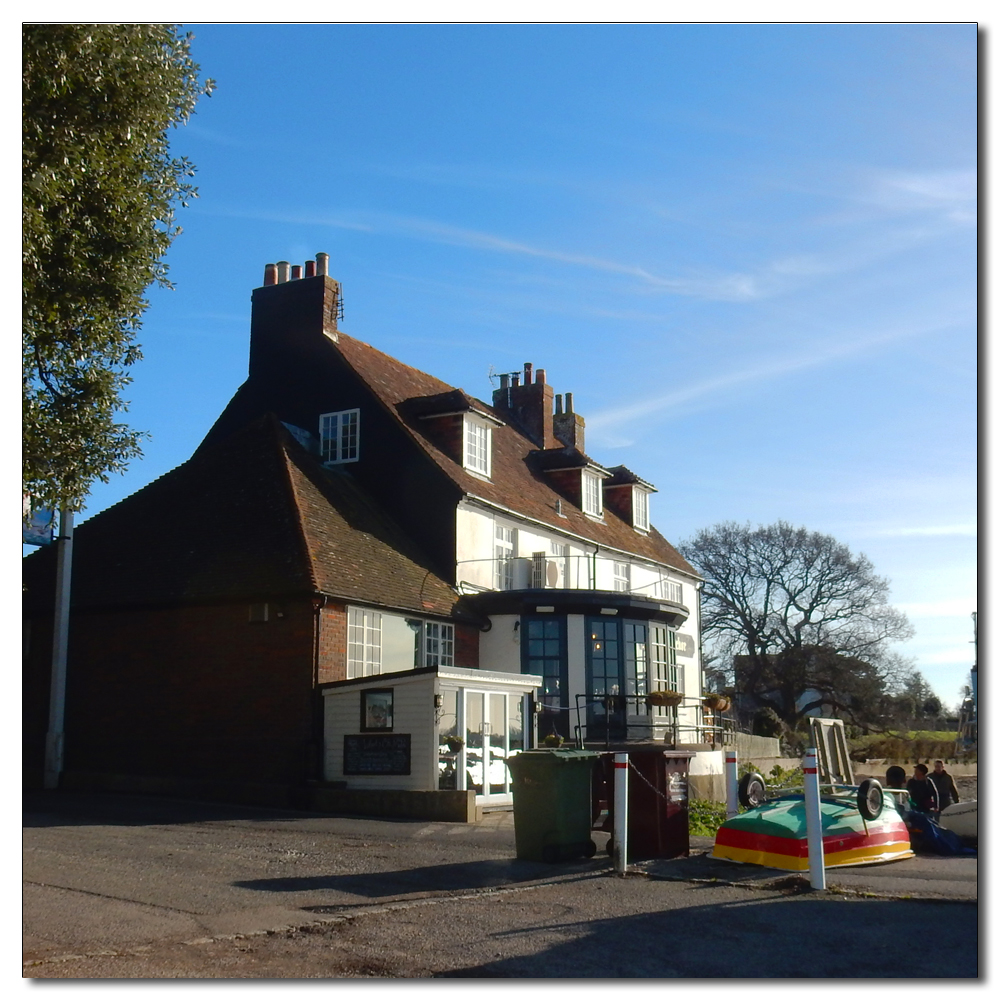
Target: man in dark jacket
923,795
944,785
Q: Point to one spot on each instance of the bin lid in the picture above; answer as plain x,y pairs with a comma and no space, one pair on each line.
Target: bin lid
543,757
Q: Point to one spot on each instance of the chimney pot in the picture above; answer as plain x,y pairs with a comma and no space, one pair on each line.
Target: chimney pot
540,376
283,269
559,403
322,263
527,372
296,272
270,274
569,402
515,379
310,268
504,381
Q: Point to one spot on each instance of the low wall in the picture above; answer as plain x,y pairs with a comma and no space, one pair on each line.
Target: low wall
442,807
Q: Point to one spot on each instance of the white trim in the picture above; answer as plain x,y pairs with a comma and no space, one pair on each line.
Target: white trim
341,430
493,506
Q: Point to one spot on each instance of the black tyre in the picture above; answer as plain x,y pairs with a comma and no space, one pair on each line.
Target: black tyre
752,791
871,798
590,850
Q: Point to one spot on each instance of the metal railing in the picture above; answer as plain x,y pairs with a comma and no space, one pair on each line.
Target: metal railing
618,720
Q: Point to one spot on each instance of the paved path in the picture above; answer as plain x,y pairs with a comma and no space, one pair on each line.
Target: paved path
128,887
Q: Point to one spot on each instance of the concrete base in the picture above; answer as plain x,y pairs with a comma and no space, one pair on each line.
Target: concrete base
440,806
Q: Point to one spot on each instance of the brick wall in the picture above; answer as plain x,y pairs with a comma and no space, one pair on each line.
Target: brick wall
466,646
187,692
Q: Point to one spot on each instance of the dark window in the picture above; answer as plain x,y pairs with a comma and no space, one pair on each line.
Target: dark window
543,652
617,674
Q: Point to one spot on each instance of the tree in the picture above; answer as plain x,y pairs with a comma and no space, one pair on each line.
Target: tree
99,190
807,623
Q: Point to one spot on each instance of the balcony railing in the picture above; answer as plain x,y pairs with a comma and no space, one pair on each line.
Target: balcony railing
623,715
543,571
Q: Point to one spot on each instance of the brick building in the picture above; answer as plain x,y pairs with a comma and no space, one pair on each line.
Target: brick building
357,543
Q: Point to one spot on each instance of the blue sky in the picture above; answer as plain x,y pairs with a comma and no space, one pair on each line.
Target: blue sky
749,251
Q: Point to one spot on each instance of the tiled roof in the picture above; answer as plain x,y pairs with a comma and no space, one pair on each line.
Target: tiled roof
514,483
253,517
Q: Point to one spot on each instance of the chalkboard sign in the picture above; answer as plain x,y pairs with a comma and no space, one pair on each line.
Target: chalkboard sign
387,753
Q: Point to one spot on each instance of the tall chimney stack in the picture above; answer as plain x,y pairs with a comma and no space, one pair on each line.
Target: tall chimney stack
568,426
527,407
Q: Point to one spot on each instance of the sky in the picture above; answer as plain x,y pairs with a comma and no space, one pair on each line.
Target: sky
749,251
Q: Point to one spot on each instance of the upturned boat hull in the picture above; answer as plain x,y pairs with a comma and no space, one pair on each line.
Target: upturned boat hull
774,835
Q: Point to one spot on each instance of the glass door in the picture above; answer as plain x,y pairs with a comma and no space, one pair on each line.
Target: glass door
494,730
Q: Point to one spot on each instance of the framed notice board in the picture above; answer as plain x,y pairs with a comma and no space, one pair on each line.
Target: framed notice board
385,753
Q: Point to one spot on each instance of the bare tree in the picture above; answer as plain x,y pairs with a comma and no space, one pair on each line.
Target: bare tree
807,623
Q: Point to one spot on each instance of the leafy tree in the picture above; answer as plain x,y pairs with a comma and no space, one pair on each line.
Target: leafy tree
807,623
99,189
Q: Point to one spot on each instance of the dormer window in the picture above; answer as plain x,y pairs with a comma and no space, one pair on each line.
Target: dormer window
640,509
339,436
592,499
477,447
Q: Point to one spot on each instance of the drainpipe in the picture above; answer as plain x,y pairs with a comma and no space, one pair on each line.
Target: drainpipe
60,643
319,602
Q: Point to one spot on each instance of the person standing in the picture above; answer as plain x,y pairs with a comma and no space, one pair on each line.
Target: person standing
944,785
923,795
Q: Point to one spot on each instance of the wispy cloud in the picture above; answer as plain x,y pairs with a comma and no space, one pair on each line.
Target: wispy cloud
949,193
768,370
952,608
929,531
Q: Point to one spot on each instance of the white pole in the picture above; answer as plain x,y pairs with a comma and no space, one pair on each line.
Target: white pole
732,785
60,643
621,813
814,821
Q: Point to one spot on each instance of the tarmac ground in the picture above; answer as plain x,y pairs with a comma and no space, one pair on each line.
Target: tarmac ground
130,887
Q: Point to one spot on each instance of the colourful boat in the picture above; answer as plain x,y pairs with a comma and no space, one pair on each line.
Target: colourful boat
860,827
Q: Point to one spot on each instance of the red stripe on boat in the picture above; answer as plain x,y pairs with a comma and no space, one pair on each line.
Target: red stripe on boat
796,847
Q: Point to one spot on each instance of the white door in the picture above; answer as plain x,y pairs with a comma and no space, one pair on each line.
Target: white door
494,731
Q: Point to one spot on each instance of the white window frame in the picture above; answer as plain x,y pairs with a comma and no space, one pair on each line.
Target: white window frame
477,445
668,590
591,494
505,547
364,642
640,508
623,578
340,436
437,644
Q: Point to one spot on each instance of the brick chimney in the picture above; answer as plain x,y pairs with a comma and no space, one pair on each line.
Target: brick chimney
527,407
568,426
290,312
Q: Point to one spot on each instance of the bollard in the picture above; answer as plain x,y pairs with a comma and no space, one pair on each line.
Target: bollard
814,821
621,813
732,785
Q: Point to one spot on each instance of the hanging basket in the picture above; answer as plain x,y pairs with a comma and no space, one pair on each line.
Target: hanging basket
664,698
553,740
716,702
454,743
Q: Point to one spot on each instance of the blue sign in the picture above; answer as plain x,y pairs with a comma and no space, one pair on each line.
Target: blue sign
38,528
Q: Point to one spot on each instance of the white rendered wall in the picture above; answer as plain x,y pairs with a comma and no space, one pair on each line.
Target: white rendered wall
500,647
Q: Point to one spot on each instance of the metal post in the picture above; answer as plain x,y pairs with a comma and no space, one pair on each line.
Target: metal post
732,785
621,813
814,821
60,643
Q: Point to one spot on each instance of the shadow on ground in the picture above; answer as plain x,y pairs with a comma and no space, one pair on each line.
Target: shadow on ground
804,937
469,875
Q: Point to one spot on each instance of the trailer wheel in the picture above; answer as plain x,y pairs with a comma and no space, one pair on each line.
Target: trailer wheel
590,850
751,791
871,798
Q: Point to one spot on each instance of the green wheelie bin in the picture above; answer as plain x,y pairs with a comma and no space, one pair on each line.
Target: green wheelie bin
552,817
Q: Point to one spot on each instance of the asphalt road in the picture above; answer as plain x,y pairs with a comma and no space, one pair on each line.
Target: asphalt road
132,887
